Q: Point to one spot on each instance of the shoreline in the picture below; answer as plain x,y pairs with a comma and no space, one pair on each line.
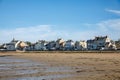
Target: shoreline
93,51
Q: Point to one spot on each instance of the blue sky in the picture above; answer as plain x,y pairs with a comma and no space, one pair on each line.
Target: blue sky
51,19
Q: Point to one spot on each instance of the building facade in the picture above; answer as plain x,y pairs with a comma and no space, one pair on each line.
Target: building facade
100,43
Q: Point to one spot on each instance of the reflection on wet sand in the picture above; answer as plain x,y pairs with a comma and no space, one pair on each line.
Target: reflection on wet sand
12,68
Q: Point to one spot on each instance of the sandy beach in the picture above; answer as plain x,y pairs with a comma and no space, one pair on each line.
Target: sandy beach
59,66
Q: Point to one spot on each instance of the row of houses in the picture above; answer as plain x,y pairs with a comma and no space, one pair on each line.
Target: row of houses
98,43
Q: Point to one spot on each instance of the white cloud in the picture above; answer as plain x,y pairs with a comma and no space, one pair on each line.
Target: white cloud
47,32
113,24
32,34
26,33
113,11
108,27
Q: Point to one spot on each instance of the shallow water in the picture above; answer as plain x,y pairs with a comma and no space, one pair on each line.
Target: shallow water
58,69
9,59
13,67
50,77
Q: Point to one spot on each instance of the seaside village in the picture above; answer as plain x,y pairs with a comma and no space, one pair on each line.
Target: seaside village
98,43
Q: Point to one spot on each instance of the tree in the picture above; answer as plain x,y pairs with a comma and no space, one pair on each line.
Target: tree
28,43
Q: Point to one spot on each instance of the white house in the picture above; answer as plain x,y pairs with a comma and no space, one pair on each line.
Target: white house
11,45
91,45
110,46
40,45
80,45
69,45
51,45
99,43
60,44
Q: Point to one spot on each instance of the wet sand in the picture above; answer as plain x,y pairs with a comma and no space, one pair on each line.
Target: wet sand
59,66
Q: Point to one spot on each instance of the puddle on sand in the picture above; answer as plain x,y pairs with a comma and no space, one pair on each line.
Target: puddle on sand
49,77
27,64
4,68
26,71
58,69
13,63
10,66
13,66
10,59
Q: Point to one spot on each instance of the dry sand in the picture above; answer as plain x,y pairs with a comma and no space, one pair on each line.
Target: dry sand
72,66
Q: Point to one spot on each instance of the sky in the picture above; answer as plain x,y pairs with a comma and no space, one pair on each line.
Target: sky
33,20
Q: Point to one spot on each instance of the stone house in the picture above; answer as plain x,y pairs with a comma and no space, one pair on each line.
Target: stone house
21,45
